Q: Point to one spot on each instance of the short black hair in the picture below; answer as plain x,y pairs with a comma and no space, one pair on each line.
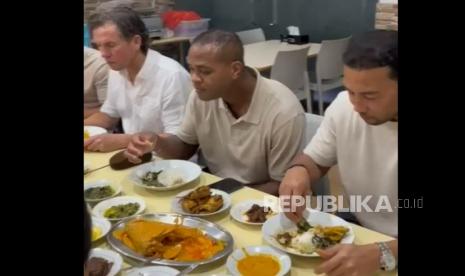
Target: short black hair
126,20
373,49
229,44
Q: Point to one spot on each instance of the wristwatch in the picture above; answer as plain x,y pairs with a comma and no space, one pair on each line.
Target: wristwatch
387,259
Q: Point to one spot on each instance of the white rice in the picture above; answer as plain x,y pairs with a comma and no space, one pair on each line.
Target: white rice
170,177
303,242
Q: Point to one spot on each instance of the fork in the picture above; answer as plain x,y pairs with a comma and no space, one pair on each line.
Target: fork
96,169
187,270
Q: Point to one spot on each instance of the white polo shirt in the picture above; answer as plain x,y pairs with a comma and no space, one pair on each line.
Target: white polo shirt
367,159
260,145
156,100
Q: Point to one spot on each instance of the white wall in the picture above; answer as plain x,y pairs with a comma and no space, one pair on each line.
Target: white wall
388,1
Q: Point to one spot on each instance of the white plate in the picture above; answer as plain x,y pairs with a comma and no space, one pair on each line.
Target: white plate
102,183
153,271
108,255
95,130
238,211
101,207
103,224
176,205
189,171
280,223
238,254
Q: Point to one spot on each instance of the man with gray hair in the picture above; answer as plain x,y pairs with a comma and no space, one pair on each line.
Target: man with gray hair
147,90
248,127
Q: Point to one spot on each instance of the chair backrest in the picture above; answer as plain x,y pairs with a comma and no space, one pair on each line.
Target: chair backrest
313,122
251,36
329,64
290,67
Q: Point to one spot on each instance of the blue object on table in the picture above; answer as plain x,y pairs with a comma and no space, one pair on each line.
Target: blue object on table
86,36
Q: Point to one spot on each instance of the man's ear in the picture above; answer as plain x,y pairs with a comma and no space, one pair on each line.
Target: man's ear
236,69
137,41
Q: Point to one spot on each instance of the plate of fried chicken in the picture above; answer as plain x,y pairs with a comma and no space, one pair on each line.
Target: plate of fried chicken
202,201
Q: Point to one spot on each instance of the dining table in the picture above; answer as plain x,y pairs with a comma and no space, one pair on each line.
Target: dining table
261,55
244,235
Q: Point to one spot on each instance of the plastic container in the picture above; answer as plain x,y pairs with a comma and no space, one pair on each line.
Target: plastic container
192,28
86,36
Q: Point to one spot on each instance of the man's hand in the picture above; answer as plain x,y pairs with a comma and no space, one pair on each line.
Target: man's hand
349,259
107,142
296,182
140,144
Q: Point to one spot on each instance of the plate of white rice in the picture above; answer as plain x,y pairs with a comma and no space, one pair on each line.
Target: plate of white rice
165,175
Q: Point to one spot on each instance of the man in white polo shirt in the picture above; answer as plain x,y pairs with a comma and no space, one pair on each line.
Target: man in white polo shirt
359,133
146,90
248,127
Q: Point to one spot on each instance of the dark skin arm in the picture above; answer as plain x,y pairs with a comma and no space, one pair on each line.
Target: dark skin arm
167,146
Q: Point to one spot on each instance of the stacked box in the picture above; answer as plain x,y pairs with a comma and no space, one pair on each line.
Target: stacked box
143,7
386,17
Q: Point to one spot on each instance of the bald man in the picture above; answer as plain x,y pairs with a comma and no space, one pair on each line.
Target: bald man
247,126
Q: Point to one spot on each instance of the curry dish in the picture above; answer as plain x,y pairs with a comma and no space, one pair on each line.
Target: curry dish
168,241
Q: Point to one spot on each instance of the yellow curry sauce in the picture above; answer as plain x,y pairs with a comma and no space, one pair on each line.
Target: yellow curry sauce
262,264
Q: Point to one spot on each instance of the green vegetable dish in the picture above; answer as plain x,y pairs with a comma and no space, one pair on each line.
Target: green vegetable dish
99,192
121,211
151,179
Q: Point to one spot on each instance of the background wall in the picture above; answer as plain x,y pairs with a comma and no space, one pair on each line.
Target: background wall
320,19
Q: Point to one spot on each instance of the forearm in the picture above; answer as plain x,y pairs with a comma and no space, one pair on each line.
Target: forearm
122,140
101,119
314,171
169,146
88,111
